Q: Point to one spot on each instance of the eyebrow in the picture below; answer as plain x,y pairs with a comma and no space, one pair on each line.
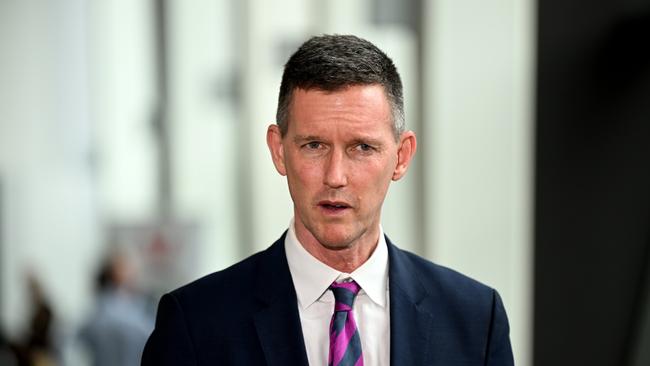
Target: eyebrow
301,138
357,140
367,140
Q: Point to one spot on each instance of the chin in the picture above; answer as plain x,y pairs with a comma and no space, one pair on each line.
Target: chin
336,241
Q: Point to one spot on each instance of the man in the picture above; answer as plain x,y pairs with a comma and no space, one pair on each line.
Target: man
119,326
333,289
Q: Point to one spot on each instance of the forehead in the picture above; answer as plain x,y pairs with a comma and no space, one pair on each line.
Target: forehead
356,106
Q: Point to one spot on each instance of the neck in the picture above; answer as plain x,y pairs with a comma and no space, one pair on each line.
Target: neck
345,259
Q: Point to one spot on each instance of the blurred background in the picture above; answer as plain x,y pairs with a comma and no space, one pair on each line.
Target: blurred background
133,160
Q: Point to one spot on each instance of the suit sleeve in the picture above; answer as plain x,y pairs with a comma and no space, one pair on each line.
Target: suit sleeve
169,343
499,350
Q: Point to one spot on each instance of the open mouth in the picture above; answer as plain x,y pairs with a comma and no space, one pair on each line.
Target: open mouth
333,206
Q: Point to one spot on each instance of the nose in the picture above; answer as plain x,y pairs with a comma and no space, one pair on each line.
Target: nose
335,171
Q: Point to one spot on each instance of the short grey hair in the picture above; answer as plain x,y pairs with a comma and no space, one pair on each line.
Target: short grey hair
334,62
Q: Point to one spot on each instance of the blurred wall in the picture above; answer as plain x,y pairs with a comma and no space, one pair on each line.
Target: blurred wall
50,212
79,137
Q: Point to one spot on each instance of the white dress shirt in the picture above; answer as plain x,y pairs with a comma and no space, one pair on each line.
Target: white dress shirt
312,278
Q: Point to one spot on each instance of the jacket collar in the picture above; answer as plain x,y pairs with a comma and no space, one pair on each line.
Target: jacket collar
278,322
410,322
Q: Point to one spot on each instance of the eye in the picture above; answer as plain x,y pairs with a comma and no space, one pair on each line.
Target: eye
364,148
313,145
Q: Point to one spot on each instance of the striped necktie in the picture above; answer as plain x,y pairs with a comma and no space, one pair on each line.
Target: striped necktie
345,344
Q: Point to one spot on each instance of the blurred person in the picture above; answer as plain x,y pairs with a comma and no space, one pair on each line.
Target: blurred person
36,347
334,289
118,328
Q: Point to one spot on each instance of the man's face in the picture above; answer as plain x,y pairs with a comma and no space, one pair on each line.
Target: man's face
339,155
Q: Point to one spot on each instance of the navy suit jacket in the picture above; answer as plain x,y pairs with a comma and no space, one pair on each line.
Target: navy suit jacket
248,315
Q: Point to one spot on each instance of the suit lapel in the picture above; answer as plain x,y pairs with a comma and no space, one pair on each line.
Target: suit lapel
278,322
410,323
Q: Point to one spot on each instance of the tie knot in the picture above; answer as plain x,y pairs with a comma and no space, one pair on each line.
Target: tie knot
344,294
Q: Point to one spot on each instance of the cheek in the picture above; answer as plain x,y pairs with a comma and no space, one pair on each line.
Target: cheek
303,177
373,179
378,170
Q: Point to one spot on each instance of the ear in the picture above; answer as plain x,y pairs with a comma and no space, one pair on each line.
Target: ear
405,153
274,142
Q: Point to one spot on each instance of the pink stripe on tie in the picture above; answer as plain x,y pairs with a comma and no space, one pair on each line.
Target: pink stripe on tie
345,343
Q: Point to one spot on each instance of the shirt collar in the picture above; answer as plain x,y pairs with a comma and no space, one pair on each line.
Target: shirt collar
312,277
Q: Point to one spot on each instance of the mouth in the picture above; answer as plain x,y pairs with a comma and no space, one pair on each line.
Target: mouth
334,207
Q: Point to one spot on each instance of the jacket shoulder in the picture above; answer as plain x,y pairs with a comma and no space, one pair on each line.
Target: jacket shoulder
440,275
446,287
469,315
211,320
232,280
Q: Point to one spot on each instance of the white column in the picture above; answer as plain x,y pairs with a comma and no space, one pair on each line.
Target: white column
203,124
122,69
479,127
